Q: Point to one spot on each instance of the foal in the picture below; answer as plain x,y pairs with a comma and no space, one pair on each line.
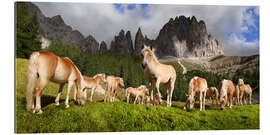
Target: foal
92,83
112,84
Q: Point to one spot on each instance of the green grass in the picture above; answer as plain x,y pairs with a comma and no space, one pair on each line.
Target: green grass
120,116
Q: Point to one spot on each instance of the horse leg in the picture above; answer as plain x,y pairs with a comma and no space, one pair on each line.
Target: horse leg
135,99
157,87
75,93
231,101
241,98
92,93
204,95
42,84
59,94
70,84
250,95
128,97
171,92
201,96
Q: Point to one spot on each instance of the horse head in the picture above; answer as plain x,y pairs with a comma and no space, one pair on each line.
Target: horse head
147,55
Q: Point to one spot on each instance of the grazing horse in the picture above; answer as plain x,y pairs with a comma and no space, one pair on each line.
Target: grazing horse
158,73
244,90
211,93
137,92
227,92
196,85
47,66
92,83
112,84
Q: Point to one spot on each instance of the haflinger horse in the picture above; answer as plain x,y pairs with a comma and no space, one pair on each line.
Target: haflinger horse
158,73
92,83
112,84
227,92
212,93
244,90
196,85
47,66
139,92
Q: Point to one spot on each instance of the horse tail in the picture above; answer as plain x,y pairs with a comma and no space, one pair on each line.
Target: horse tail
32,75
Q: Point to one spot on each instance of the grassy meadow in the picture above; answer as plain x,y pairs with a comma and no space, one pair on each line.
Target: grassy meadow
120,116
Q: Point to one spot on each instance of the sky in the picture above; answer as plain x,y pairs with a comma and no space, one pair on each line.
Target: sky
237,27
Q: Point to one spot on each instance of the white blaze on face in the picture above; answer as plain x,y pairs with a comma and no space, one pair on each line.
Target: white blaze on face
223,91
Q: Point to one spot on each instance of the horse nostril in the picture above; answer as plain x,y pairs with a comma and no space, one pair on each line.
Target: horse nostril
221,108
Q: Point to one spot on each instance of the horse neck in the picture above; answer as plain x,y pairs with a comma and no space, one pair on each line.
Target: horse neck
98,79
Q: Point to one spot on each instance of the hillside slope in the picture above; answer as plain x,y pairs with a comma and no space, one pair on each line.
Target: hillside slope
120,116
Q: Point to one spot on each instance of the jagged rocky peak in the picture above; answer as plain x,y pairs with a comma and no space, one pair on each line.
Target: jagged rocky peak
122,43
139,41
186,37
92,43
58,20
55,29
103,47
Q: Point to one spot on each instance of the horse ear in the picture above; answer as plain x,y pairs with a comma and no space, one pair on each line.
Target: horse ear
144,46
186,94
151,47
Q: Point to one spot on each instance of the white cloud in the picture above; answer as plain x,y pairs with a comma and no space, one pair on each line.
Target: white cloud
103,21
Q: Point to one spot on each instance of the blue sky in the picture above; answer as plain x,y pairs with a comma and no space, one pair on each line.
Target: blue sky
237,27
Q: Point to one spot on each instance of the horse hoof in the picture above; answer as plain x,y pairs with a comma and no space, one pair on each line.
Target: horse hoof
34,111
67,106
39,112
57,104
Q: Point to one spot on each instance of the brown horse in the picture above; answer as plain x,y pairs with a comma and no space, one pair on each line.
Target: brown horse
112,84
196,85
158,73
47,66
92,83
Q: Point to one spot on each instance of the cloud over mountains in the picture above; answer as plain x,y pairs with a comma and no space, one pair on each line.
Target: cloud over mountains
237,27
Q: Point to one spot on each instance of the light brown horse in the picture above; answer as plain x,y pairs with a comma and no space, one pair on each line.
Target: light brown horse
112,84
158,73
244,90
196,85
47,66
227,92
212,93
139,92
92,83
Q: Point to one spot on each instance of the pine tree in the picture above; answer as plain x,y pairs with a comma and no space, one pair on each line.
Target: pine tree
27,31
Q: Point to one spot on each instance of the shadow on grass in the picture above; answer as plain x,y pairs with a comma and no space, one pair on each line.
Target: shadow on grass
45,100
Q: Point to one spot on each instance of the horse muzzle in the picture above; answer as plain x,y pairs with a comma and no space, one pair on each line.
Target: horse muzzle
143,66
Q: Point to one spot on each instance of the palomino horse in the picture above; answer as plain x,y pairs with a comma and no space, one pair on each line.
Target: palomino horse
92,83
212,93
196,85
137,92
47,66
227,92
244,90
112,84
158,73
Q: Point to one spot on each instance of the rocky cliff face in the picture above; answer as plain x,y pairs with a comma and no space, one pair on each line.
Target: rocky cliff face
55,29
122,43
103,47
186,37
